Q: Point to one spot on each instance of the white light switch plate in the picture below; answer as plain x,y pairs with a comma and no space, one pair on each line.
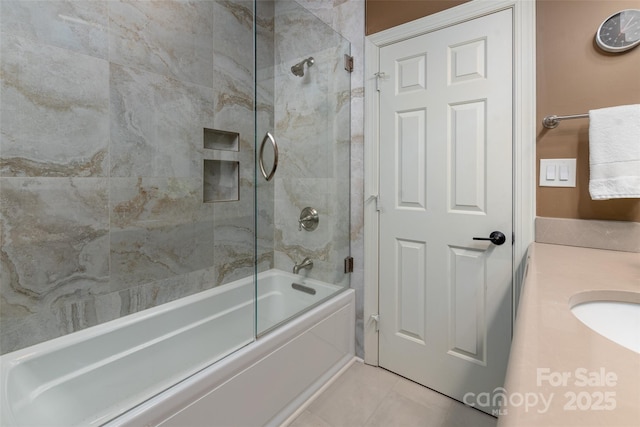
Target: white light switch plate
557,172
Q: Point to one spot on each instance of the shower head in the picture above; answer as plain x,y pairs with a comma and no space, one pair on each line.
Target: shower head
298,69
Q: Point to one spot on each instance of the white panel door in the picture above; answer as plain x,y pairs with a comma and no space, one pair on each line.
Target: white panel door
445,178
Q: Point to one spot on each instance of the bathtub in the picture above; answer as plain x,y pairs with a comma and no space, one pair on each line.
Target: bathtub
156,367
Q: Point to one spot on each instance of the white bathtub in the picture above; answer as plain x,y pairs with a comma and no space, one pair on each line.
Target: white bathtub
155,367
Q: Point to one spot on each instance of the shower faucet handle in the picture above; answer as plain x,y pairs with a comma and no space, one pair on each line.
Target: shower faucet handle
308,219
303,221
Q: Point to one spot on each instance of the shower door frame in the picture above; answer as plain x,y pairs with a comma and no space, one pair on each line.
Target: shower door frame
524,170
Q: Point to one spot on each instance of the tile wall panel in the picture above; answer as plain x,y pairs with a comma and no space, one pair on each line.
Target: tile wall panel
103,106
101,155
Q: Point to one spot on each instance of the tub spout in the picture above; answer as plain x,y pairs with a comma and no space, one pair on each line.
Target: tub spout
306,264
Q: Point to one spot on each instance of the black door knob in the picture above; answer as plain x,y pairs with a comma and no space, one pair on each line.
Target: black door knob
496,237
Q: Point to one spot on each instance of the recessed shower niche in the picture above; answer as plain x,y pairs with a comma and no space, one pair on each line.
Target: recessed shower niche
221,171
215,139
221,179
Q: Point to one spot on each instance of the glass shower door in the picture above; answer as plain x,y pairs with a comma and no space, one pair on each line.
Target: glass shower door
302,211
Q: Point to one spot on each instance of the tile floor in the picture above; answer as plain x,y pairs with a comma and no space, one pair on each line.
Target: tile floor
368,396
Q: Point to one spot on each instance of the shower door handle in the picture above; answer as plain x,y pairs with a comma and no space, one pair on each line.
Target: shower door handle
269,175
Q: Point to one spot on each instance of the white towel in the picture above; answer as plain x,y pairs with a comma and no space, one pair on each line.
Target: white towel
614,152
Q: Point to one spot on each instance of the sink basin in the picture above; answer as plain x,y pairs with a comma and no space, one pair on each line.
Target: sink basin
617,320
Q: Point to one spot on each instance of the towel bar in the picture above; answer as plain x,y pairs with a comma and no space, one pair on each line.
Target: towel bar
553,121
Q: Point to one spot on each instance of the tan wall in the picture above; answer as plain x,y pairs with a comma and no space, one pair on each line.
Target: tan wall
383,14
573,76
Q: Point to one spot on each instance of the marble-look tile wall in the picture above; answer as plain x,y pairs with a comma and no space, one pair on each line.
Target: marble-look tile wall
347,18
103,106
100,205
324,162
265,101
312,126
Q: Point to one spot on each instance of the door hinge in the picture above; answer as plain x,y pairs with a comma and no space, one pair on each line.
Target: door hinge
379,75
377,199
513,238
376,318
348,63
348,264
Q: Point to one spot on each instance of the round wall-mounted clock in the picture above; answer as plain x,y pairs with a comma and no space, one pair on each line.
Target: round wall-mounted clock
620,31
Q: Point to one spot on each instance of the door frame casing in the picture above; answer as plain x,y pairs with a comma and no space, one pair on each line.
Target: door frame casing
524,113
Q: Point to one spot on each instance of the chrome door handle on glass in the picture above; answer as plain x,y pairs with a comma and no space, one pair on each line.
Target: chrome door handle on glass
269,175
496,237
